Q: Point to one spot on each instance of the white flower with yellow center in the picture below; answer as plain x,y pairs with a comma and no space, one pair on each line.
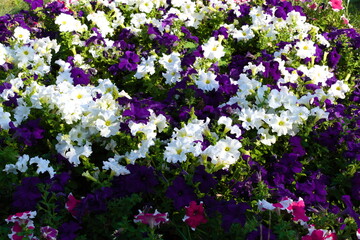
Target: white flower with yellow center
213,49
67,23
108,124
339,89
22,34
305,49
225,152
206,81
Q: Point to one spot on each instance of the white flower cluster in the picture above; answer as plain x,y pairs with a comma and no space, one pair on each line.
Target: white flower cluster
189,139
78,106
156,123
185,141
33,56
23,163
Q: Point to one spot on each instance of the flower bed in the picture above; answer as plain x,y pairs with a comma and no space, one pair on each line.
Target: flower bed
180,120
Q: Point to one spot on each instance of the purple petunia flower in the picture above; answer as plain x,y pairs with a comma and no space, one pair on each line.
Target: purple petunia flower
141,179
27,195
79,76
298,149
67,231
94,202
59,181
333,58
129,61
355,190
181,193
233,212
242,189
205,179
221,31
28,133
314,189
35,3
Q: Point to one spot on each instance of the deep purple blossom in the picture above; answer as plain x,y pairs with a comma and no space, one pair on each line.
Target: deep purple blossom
272,70
129,61
58,182
313,189
188,34
35,3
137,112
333,58
233,212
242,189
79,76
141,179
67,231
298,149
180,192
94,202
221,31
206,180
27,195
28,132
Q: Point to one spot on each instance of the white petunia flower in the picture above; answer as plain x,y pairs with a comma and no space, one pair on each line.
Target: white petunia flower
225,152
113,165
339,89
265,137
282,125
172,77
42,166
147,66
213,49
234,129
206,81
22,34
4,119
171,62
306,49
67,23
245,33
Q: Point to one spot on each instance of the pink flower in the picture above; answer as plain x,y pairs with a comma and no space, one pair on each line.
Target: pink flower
336,5
71,204
48,233
313,6
22,222
358,233
297,209
319,234
344,20
194,215
151,219
239,2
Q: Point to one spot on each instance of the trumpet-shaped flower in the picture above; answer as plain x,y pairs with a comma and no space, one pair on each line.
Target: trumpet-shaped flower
306,49
22,34
151,219
194,215
213,49
206,81
67,23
